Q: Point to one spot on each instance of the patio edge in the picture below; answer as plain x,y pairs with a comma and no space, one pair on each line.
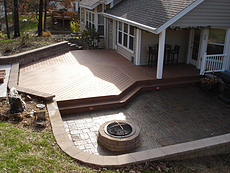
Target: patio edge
203,147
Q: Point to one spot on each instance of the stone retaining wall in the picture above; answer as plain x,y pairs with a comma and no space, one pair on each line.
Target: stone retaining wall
36,54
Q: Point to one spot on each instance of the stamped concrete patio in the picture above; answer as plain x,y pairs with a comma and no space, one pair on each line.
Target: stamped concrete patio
166,117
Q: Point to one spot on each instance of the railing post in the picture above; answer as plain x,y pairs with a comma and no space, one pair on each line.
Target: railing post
203,63
224,66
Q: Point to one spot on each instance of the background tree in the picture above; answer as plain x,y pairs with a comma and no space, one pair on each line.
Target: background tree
16,20
40,18
7,27
45,16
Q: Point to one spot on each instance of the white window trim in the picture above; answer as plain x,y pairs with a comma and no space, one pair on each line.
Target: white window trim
128,34
82,9
218,44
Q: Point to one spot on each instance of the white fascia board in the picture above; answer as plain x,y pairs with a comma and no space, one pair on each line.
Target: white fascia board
108,2
179,15
89,7
130,22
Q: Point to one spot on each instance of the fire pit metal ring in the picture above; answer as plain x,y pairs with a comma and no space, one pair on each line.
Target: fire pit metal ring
119,129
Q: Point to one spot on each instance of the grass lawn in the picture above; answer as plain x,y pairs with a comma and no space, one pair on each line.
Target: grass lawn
25,151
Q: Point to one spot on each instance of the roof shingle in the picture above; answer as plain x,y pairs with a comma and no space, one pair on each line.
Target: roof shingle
153,13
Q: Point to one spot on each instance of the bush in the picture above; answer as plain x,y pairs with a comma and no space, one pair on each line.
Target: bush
25,38
75,27
90,38
2,35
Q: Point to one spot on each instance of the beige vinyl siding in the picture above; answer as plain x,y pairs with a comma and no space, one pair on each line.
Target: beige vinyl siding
147,39
124,52
101,44
173,38
181,38
215,13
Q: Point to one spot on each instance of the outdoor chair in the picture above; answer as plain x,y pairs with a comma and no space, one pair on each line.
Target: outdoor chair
152,56
174,55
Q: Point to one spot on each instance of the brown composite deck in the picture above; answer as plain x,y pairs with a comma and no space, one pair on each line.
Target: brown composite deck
91,73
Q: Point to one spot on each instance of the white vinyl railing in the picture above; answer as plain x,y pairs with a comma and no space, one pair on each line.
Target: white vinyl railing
213,63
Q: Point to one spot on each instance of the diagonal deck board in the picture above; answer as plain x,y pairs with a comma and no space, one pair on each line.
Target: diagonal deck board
90,73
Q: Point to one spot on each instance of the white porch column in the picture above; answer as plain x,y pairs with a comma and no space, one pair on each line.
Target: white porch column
114,34
227,49
203,46
76,5
138,47
161,49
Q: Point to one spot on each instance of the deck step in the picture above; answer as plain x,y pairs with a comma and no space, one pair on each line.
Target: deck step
116,101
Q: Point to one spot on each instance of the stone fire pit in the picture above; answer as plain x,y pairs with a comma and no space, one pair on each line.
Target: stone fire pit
119,135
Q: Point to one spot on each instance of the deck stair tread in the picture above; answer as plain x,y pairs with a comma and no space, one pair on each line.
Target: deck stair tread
114,101
45,96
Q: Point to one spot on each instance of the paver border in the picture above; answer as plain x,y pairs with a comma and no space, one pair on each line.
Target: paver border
203,147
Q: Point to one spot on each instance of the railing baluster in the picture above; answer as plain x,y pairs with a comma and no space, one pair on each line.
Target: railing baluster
213,63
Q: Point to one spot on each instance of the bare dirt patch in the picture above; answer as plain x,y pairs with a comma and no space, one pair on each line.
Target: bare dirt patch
27,119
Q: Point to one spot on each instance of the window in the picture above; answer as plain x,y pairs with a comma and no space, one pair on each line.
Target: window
126,35
216,41
101,24
82,15
90,20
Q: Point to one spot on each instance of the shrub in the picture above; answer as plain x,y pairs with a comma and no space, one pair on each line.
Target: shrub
75,27
2,35
90,38
25,38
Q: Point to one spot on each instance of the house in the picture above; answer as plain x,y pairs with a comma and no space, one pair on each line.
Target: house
200,27
64,12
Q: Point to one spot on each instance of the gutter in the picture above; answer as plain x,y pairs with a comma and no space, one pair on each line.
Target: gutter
130,22
89,7
95,5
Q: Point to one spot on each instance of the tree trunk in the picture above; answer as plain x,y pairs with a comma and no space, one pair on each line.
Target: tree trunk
40,18
7,28
16,20
45,10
